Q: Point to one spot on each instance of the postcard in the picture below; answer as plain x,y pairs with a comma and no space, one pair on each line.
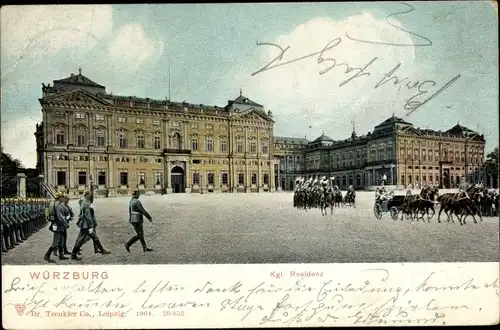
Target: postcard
250,165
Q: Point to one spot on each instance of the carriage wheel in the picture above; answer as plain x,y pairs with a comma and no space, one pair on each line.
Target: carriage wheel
394,213
377,210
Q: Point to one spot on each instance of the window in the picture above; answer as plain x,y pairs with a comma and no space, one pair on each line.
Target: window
424,157
139,121
208,126
265,148
121,119
156,142
99,137
156,122
194,143
196,178
175,141
122,140
123,178
175,124
209,144
80,137
241,179
194,125
82,178
403,180
60,137
61,178
266,178
253,146
101,178
239,145
80,115
140,140
210,178
223,145
224,179
99,117
157,178
141,178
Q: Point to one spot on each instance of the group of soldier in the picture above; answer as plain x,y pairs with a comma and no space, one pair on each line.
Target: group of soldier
61,216
319,192
21,218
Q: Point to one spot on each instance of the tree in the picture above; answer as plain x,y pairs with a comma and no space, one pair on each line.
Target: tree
9,169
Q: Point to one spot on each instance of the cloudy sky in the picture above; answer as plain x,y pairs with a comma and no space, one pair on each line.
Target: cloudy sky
444,55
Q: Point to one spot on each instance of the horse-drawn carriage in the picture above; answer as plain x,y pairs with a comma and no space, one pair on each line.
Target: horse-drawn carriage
393,205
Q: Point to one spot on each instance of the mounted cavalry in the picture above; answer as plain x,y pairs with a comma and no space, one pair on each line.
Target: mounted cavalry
322,194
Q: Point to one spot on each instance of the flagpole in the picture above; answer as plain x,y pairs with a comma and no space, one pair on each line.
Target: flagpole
169,77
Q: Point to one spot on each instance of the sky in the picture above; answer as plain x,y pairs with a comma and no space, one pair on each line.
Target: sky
432,64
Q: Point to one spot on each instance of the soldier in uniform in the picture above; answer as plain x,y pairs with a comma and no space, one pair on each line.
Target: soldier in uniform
136,218
4,229
98,247
16,221
462,190
58,227
9,229
69,216
86,223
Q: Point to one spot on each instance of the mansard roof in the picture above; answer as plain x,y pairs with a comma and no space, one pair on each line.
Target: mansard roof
244,100
460,130
393,120
322,138
78,79
290,140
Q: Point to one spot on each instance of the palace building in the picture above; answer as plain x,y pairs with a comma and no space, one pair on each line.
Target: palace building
121,143
395,152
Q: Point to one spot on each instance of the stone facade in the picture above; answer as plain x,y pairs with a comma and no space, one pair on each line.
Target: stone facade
396,153
121,143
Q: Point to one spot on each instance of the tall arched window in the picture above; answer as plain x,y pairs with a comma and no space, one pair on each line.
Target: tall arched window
239,144
264,145
194,142
100,137
175,141
252,145
209,144
157,141
59,135
140,140
121,139
223,144
80,136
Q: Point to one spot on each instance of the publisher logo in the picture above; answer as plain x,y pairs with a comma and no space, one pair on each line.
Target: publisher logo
20,309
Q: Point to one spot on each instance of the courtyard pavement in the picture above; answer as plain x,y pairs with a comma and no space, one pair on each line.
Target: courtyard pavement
266,228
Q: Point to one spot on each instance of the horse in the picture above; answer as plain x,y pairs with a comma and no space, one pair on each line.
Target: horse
337,198
326,200
350,198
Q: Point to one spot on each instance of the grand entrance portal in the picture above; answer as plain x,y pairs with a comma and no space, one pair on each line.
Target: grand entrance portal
446,178
177,179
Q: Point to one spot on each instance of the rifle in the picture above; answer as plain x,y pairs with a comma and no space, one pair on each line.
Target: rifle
91,189
49,189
